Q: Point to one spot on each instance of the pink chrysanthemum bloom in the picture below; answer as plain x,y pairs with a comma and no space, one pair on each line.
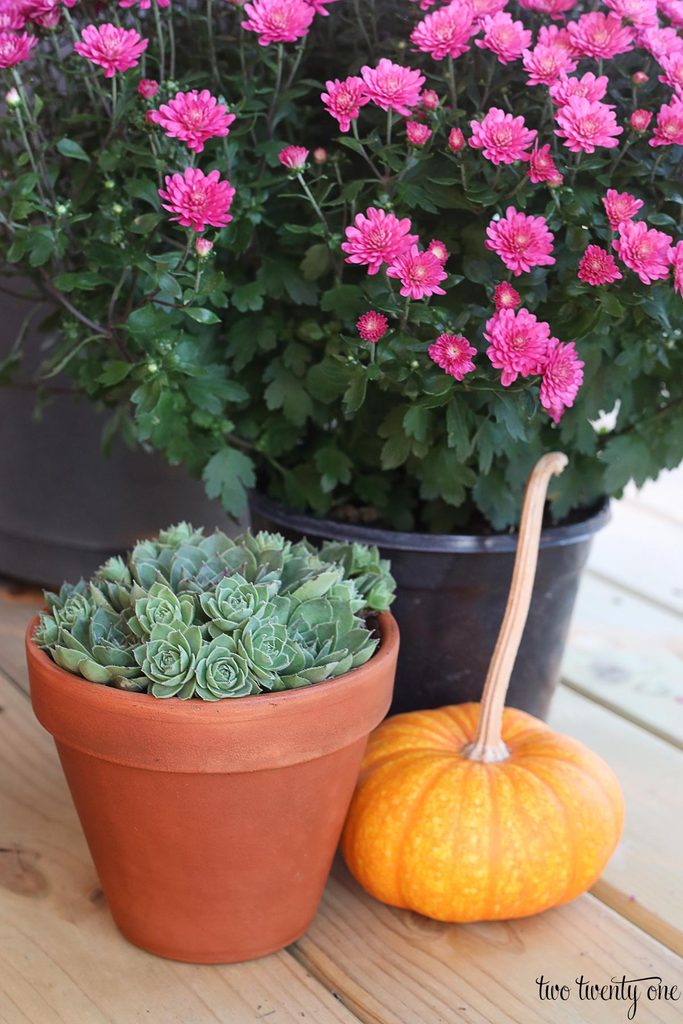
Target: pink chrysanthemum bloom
486,8
198,200
586,125
620,206
644,250
598,266
641,13
521,241
392,86
456,140
293,158
15,48
673,10
589,87
600,35
148,88
112,48
446,32
562,378
343,100
505,296
319,6
507,38
377,237
453,354
661,42
143,5
203,248
278,21
45,13
193,117
420,273
556,9
502,137
640,120
429,99
372,326
676,261
673,72
545,64
669,128
517,343
417,133
439,250
542,167
553,35
11,18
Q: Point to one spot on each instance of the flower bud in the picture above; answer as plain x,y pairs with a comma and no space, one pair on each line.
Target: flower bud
414,364
117,209
203,247
149,116
61,209
417,133
640,119
293,158
108,183
148,88
456,140
639,78
429,99
320,155
12,98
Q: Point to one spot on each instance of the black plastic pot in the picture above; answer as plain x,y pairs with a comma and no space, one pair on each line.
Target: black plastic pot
452,591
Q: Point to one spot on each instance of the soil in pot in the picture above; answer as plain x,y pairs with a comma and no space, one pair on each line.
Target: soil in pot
213,825
450,603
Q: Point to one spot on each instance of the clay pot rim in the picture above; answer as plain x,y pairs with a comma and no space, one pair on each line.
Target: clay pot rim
103,698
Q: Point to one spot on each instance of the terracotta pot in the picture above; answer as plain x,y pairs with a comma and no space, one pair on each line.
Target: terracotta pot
213,825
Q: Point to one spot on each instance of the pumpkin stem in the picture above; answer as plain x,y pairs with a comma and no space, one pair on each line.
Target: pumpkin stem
488,745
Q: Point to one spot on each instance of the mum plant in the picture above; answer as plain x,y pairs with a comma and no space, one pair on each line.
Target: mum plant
377,258
188,615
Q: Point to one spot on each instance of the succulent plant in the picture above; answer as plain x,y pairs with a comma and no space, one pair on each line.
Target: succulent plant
193,615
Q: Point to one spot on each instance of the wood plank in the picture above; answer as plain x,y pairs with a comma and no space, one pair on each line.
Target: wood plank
18,605
394,967
62,961
627,654
643,879
642,553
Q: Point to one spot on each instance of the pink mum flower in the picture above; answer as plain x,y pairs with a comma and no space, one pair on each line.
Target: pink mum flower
320,8
393,87
553,35
600,35
673,72
542,167
585,125
439,250
278,21
517,343
193,117
661,42
521,241
293,158
148,88
112,48
562,378
446,32
453,354
143,5
545,64
203,247
620,206
502,137
372,326
11,18
343,100
198,199
555,8
669,128
588,87
505,37
45,13
420,273
598,266
456,140
376,238
486,8
15,48
643,250
641,13
417,133
640,120
505,296
676,261
673,10
429,99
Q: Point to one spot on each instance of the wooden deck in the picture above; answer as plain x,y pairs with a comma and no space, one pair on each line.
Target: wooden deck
62,959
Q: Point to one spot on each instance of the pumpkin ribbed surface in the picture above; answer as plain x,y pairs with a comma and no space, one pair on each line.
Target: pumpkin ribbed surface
460,840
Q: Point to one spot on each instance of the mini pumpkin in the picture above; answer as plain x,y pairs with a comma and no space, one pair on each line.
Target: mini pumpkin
478,812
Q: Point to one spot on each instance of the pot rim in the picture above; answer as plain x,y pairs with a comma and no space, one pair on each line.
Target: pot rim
443,543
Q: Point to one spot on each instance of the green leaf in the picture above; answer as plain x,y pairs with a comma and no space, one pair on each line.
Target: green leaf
72,150
145,223
628,458
316,262
228,475
334,467
201,316
416,422
395,451
247,297
85,280
345,301
508,410
114,372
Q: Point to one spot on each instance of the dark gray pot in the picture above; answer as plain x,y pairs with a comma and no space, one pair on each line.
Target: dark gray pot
452,591
64,506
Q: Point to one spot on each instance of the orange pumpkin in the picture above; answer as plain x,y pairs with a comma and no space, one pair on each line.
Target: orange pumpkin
477,812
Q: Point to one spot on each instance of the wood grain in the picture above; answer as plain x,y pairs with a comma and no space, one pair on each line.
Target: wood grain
62,961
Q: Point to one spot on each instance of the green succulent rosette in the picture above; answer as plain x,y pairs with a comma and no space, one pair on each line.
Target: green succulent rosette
234,601
169,660
222,672
71,604
98,649
370,573
160,607
271,652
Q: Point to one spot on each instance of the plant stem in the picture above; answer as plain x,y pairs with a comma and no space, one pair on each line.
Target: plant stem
113,100
406,311
276,88
321,216
452,87
162,42
296,64
171,36
579,157
364,153
488,746
212,43
390,121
